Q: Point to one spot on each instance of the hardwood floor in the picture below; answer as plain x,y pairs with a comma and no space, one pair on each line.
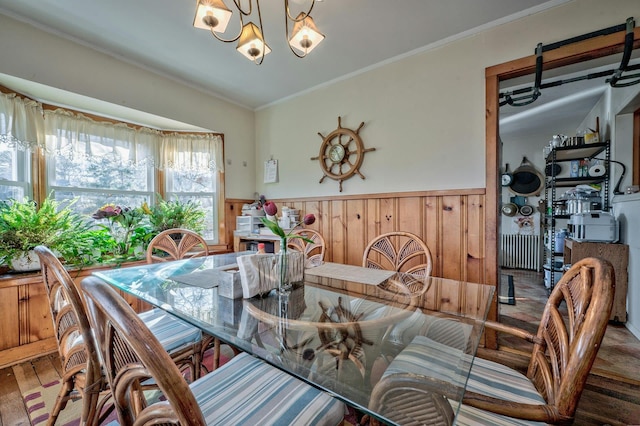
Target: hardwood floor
611,395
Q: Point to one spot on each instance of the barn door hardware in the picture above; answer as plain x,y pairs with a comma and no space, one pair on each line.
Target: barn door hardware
521,99
624,64
527,95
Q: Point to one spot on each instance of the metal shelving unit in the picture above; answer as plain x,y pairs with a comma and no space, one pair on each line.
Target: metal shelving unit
552,183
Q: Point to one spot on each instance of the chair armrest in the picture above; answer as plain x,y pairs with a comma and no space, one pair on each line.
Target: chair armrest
514,331
533,412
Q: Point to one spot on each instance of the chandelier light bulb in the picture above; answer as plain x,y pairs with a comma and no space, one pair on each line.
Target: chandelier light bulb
210,20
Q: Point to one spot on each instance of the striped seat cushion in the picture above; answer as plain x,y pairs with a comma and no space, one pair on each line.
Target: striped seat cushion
172,332
427,357
247,391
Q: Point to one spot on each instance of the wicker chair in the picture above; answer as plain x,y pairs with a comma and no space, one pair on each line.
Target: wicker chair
176,244
313,252
564,349
243,391
78,355
400,252
81,372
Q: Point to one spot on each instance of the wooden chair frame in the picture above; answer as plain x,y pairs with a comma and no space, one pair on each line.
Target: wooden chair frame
81,369
177,243
132,356
313,252
564,349
398,251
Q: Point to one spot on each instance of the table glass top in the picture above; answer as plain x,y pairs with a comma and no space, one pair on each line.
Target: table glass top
335,333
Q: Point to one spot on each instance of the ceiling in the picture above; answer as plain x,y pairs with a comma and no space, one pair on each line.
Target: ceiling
360,34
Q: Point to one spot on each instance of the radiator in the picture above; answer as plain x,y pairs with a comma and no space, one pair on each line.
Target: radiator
520,251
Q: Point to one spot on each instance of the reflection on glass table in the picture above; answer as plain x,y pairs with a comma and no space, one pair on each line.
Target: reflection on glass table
337,334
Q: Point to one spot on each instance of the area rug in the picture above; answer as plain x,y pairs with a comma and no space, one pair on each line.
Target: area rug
41,400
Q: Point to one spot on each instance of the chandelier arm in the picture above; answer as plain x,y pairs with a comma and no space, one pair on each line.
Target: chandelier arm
264,39
238,4
228,40
304,15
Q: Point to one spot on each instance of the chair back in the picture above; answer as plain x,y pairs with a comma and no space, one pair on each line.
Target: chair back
174,244
314,251
133,355
571,332
78,352
400,252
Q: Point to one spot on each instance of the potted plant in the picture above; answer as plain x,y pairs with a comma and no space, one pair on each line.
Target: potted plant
23,226
176,214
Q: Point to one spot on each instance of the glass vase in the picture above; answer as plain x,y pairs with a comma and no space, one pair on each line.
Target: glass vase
289,268
282,270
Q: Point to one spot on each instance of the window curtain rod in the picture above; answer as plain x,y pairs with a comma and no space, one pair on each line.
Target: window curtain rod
514,97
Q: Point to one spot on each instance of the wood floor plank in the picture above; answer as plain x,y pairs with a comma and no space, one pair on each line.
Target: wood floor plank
55,360
25,376
45,370
12,409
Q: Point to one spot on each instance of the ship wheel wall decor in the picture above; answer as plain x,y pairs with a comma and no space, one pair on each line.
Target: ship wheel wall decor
341,153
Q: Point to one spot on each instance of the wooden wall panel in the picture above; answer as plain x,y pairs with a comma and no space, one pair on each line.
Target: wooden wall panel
475,239
453,235
9,332
356,231
37,309
451,223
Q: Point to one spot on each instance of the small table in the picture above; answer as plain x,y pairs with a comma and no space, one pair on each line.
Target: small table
330,332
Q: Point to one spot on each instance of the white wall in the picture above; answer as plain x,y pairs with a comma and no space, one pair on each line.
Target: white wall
615,110
31,54
627,210
423,114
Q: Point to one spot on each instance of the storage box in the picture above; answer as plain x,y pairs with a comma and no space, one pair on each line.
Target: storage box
593,226
229,284
248,224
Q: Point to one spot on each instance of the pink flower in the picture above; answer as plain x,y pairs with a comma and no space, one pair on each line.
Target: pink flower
270,208
309,219
108,210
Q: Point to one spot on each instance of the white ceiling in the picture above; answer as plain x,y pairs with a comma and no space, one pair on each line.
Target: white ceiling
158,35
360,34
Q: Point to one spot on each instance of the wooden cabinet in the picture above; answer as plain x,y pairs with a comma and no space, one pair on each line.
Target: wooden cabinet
26,329
618,255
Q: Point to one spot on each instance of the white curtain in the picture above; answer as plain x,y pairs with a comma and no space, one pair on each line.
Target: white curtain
193,151
21,121
75,135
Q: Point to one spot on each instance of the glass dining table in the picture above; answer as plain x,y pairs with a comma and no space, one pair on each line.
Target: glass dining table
338,329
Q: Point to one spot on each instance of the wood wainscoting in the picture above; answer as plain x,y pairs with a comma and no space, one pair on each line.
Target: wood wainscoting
451,223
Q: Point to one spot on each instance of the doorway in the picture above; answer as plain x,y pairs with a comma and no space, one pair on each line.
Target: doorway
576,53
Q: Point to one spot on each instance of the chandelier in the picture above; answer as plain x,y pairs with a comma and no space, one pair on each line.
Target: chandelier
214,15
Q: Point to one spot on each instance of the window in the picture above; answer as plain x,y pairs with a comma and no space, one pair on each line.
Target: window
192,170
98,163
14,171
20,124
104,163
